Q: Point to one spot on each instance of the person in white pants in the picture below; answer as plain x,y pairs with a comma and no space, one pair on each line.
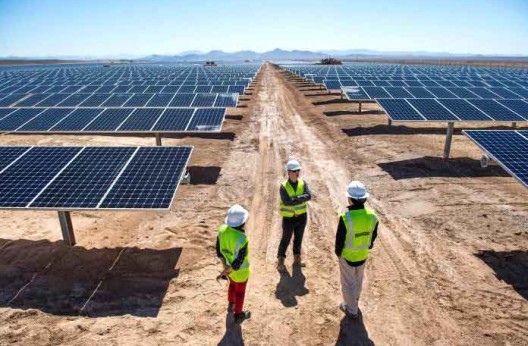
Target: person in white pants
356,232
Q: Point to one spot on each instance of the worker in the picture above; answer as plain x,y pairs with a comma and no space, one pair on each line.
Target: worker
233,250
294,193
356,232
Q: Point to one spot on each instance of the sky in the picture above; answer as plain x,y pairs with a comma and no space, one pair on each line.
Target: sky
113,28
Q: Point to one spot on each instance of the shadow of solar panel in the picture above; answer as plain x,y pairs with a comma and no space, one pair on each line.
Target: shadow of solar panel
23,180
207,120
109,120
150,180
464,110
45,120
432,110
142,119
495,110
19,118
399,110
77,120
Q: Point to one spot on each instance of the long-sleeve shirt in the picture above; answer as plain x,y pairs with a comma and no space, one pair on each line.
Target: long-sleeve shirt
287,200
341,236
242,253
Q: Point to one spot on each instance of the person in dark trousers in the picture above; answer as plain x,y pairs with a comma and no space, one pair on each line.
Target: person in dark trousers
355,236
232,247
294,193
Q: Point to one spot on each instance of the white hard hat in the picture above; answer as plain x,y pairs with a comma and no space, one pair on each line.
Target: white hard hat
236,216
357,190
293,165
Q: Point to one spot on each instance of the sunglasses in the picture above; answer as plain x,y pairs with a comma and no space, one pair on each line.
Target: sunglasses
298,171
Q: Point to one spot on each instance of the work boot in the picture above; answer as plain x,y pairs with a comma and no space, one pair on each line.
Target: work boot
241,317
280,264
349,314
297,261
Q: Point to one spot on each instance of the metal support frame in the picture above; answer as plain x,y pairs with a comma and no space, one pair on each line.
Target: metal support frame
67,227
359,106
514,125
390,122
158,139
341,94
449,138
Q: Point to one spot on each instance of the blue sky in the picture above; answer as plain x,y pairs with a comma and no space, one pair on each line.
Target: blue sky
142,27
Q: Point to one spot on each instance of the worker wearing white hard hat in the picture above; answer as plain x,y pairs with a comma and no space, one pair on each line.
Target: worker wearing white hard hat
232,247
356,232
295,194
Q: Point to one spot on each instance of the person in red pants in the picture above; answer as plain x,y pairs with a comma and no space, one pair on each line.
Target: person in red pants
232,247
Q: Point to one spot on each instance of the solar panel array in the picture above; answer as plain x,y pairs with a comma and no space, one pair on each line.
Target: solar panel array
120,98
107,120
71,178
508,148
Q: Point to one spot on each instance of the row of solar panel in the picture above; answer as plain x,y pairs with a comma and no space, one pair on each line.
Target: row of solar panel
454,110
119,100
336,85
90,177
372,93
440,78
111,119
508,148
171,89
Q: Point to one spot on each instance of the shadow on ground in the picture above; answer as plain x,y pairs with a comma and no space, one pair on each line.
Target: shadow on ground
406,130
68,281
291,287
430,166
233,334
201,175
336,113
510,267
352,332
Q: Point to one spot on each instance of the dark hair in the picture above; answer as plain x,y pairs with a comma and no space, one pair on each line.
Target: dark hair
358,201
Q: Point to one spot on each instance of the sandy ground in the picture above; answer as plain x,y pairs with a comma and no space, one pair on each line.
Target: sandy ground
450,266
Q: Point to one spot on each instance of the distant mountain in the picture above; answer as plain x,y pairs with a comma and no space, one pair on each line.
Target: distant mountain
280,54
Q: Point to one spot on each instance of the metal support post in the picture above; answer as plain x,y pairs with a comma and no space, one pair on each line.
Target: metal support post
66,227
390,122
359,106
514,125
449,138
341,94
158,139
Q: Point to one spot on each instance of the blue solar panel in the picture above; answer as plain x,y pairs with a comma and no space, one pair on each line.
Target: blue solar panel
505,93
495,110
10,154
356,93
142,119
84,182
464,110
77,120
19,118
203,100
182,100
150,179
440,92
174,119
4,112
109,120
45,120
432,110
520,91
74,100
508,148
420,93
138,100
32,100
116,100
95,100
207,119
226,100
160,100
484,93
398,92
518,106
376,92
23,180
463,93
220,89
53,100
239,89
400,110
329,84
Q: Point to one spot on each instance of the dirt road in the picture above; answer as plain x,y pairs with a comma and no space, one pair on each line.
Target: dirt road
448,231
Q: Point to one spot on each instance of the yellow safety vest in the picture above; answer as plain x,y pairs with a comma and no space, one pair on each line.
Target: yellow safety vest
360,225
231,241
297,209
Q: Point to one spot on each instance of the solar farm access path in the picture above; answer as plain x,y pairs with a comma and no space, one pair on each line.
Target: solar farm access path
424,283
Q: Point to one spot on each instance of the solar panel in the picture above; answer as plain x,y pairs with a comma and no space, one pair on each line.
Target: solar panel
67,178
432,110
398,92
4,112
508,148
400,109
138,100
74,100
142,119
463,93
182,100
45,120
53,100
464,110
19,118
77,120
355,93
440,92
109,120
160,100
32,100
149,180
505,93
484,93
420,93
95,100
116,100
518,106
226,100
203,100
495,110
207,119
376,92
174,119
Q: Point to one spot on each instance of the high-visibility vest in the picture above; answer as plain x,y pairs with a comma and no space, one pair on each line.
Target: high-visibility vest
360,226
297,209
231,241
